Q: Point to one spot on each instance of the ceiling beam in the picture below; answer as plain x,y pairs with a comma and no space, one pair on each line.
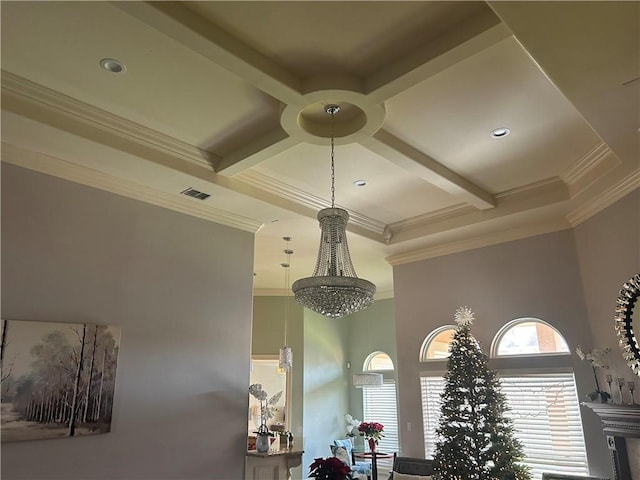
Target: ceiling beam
185,26
469,38
51,108
423,166
255,151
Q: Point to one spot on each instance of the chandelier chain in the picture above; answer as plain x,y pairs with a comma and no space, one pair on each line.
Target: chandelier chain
333,169
287,287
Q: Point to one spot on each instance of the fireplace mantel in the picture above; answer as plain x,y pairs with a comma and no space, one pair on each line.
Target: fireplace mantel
618,423
618,420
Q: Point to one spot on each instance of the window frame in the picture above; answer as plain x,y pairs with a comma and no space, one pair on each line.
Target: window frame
366,365
497,338
426,343
389,381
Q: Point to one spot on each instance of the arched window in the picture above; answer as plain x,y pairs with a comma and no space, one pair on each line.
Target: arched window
436,345
528,336
380,404
378,362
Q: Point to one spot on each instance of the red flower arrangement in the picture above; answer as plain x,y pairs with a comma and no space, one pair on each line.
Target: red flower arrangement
331,468
371,430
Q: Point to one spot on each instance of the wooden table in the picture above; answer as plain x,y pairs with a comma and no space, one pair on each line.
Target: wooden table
373,456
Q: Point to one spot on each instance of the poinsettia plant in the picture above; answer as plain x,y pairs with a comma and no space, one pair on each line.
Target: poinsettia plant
371,430
330,468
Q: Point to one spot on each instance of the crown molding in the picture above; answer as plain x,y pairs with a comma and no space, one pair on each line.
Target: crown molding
281,189
577,216
479,241
605,199
535,189
590,168
92,178
437,215
526,197
24,90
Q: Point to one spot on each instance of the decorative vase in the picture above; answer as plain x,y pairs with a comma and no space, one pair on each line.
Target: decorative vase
599,396
372,444
263,442
263,438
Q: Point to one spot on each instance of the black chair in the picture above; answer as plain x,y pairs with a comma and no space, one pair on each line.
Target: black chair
412,466
562,476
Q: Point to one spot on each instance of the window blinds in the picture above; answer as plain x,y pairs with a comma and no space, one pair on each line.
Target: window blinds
431,388
545,413
379,405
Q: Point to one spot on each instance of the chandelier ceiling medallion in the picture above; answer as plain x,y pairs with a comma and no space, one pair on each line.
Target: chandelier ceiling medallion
334,290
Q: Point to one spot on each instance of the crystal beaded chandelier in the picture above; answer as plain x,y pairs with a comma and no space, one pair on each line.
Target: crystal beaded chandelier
334,290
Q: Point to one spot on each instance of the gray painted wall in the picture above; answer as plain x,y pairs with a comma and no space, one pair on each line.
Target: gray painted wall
330,344
537,277
370,330
326,384
180,288
268,337
608,248
320,376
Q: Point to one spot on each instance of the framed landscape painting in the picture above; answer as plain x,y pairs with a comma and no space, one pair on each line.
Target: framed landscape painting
58,379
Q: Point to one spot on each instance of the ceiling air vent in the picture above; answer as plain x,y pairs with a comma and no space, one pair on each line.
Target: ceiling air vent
192,192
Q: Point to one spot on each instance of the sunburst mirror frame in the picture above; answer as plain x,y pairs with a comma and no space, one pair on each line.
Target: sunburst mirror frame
624,322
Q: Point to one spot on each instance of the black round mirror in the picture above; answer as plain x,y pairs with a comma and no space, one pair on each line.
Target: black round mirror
627,324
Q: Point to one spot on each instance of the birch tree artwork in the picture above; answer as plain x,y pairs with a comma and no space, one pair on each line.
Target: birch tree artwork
58,379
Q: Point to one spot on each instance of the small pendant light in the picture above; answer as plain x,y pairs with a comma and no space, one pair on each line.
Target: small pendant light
285,358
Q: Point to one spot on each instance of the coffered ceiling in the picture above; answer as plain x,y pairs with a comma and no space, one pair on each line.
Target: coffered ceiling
228,98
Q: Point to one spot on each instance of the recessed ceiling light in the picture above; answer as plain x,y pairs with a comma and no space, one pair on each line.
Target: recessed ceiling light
500,132
112,65
360,183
